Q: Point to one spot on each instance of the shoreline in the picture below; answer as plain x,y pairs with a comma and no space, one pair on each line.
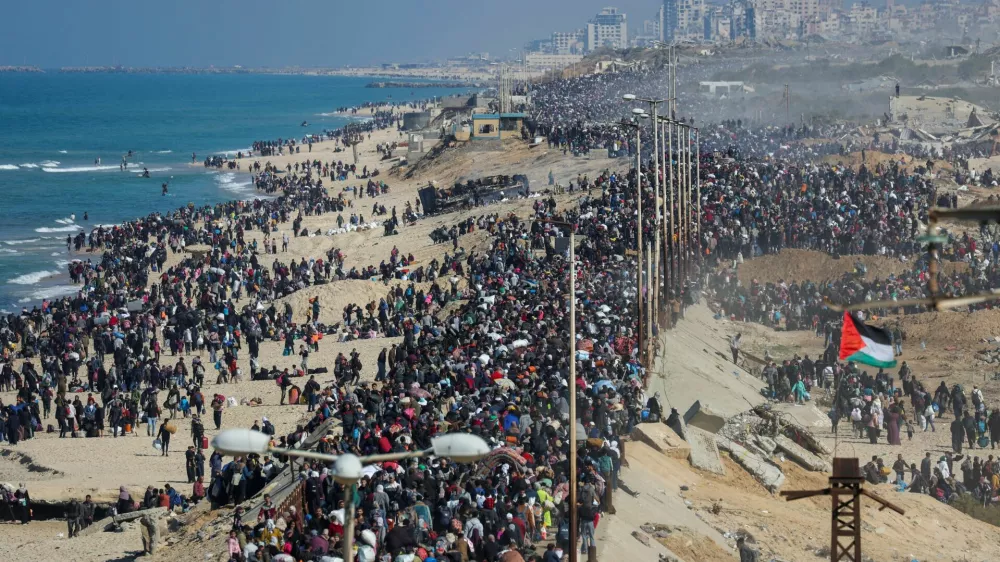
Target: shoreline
58,284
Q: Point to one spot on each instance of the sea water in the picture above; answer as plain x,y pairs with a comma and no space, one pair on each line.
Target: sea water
56,126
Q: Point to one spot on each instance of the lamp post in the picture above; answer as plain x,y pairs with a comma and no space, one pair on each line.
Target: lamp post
670,245
640,331
651,294
347,468
697,185
573,522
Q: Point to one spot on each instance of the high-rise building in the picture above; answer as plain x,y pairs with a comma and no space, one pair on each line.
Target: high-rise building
569,42
669,19
607,29
690,18
648,33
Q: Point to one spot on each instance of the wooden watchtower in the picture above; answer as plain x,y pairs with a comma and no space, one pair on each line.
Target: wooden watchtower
846,490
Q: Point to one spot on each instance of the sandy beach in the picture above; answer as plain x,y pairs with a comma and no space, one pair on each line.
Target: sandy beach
61,469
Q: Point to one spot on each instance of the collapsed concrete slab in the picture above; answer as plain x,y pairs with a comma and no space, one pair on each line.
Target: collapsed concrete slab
789,421
701,416
802,456
767,474
704,451
663,439
766,444
108,523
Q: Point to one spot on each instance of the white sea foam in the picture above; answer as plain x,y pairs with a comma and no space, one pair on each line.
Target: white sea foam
51,163
62,263
231,183
81,169
32,278
29,165
17,242
70,228
67,220
164,151
54,291
7,251
63,152
55,254
8,167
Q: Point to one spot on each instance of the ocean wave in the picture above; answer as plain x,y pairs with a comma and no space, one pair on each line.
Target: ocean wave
69,228
81,169
29,165
63,152
8,167
50,163
54,291
62,263
68,220
139,170
32,278
164,151
228,152
8,251
17,242
229,182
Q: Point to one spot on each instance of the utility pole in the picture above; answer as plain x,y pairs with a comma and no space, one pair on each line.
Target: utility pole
685,204
573,523
671,204
652,279
786,103
845,490
697,175
667,163
571,388
639,249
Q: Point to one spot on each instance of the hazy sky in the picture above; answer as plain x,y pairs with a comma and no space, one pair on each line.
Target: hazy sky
52,33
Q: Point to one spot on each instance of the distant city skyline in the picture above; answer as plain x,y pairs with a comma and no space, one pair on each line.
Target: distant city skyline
316,33
309,33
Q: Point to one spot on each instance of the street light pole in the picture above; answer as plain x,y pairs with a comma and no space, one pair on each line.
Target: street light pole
348,550
670,191
347,468
638,258
697,183
652,277
573,515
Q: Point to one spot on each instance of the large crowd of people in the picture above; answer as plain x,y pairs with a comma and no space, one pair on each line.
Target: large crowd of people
488,353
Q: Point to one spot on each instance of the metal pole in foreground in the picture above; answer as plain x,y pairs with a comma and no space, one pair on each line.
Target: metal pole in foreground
685,190
573,530
638,258
651,314
348,551
687,201
697,185
670,206
665,237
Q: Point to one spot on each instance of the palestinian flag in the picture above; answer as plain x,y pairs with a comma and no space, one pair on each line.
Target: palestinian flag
866,344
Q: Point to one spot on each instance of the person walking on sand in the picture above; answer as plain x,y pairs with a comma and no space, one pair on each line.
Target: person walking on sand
164,437
22,499
734,346
189,463
74,516
217,404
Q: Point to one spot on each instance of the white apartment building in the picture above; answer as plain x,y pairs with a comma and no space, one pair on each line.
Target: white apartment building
569,42
608,29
